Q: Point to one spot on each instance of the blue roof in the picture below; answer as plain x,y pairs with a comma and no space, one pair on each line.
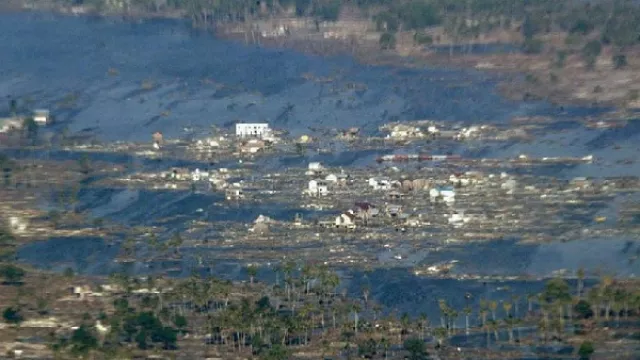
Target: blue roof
445,188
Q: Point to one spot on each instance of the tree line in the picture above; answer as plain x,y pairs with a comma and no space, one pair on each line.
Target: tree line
307,309
588,24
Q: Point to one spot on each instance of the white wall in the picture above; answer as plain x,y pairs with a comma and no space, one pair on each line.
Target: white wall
252,129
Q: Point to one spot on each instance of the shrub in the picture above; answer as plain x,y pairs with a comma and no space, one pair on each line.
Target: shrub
590,52
586,350
532,46
12,274
421,38
619,61
12,315
387,41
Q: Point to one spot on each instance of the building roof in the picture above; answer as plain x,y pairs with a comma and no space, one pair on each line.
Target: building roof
363,205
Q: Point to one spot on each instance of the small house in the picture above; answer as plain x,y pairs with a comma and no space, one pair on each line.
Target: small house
457,218
344,179
179,174
17,225
258,130
365,210
404,131
346,220
447,193
509,185
395,195
232,193
82,292
252,146
316,167
157,138
10,124
458,179
318,188
407,185
42,117
331,178
394,210
379,183
198,175
580,183
419,184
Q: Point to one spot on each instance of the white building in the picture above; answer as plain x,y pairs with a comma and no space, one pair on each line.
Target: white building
10,124
318,188
198,175
332,178
458,218
252,130
42,117
378,183
447,193
346,220
316,166
509,185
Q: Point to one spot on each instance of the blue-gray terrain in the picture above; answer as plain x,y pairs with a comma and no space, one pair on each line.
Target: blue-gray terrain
124,80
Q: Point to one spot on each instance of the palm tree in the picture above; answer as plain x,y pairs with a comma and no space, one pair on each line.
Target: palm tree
493,326
444,310
405,321
308,273
483,311
607,295
619,298
441,335
252,271
530,299
287,269
515,299
506,306
385,346
467,313
424,324
580,274
493,306
595,299
377,310
365,294
355,308
543,327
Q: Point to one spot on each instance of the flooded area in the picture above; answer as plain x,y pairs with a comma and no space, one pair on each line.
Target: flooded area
197,81
122,81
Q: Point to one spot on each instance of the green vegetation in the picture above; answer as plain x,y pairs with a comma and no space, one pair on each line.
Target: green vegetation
416,349
387,41
420,38
302,312
619,61
31,129
587,26
586,350
12,274
12,316
590,52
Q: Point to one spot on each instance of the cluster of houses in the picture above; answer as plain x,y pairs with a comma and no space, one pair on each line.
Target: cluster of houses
405,131
15,123
321,184
429,129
